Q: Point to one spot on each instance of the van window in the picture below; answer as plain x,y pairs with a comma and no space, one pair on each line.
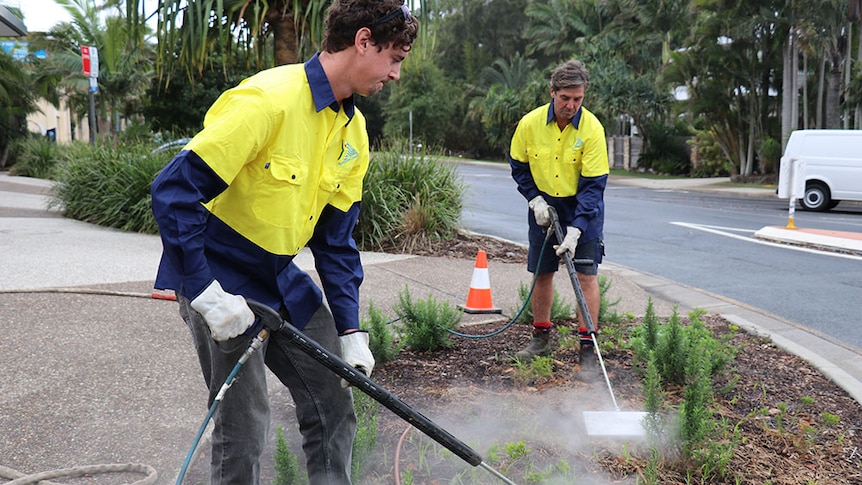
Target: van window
829,147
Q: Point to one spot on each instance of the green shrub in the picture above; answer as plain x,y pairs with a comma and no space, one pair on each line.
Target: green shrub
606,314
287,470
408,200
36,157
109,186
560,309
366,410
709,159
769,152
665,150
671,355
380,339
425,324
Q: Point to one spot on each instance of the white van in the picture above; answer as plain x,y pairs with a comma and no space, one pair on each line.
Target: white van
821,168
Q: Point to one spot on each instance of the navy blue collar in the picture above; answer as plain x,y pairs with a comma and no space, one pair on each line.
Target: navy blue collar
321,90
575,121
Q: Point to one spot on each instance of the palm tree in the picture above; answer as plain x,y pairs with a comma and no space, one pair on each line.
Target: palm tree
508,90
259,32
123,62
667,17
561,28
16,102
828,21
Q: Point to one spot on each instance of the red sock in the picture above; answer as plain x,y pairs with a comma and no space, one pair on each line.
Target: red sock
542,326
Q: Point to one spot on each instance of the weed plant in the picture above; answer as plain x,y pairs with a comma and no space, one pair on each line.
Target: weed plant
539,367
425,324
409,199
380,339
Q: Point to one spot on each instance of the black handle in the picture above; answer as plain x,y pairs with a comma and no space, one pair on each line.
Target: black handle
272,320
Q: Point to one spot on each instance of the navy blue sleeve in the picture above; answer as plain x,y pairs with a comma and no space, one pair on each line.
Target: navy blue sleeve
338,264
589,200
524,178
177,194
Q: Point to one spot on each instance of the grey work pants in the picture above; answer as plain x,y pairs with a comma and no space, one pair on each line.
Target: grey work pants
324,409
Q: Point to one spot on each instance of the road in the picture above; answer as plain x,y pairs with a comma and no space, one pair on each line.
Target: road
705,240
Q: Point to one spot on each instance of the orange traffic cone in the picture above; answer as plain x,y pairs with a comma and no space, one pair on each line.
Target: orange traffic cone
479,297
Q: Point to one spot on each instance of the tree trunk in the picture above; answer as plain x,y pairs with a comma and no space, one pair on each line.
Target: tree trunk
286,46
821,89
794,81
833,93
786,91
805,118
848,62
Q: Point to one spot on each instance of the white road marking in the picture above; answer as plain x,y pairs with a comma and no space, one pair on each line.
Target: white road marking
729,232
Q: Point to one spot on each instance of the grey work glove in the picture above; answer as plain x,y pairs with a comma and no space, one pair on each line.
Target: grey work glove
227,315
355,351
540,210
570,242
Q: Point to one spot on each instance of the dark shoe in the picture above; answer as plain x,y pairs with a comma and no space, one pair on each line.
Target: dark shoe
587,354
540,345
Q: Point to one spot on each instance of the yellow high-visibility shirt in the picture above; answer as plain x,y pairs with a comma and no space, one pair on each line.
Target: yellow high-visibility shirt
283,158
558,159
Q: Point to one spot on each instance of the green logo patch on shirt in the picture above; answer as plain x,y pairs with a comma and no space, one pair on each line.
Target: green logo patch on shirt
348,153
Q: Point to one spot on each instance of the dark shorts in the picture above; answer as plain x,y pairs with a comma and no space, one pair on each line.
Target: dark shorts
550,262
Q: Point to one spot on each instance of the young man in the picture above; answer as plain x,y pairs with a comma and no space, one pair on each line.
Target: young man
278,167
559,159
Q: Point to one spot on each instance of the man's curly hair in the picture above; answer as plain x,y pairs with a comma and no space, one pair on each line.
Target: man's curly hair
345,17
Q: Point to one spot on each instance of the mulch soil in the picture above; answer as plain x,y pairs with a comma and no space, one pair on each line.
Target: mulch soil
789,424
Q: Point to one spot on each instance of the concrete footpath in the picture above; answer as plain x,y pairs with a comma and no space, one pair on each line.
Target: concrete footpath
95,370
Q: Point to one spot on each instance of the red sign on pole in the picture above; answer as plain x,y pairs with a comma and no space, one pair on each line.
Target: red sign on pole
85,59
90,61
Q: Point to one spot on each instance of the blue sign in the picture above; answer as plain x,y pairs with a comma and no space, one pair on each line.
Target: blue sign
20,50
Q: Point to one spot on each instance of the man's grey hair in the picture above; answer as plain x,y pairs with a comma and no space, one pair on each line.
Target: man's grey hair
571,74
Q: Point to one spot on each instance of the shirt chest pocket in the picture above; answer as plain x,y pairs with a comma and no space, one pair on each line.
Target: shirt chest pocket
538,153
282,192
573,158
334,176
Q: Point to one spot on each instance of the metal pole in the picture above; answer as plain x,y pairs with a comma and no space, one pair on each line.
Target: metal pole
92,112
791,210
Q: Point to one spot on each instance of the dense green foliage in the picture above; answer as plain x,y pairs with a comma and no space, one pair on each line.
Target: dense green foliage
35,157
741,73
178,106
409,199
109,186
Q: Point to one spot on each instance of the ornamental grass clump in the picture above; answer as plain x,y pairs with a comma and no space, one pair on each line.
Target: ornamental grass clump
410,199
109,186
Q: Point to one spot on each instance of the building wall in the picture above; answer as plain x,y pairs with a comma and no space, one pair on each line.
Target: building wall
59,120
